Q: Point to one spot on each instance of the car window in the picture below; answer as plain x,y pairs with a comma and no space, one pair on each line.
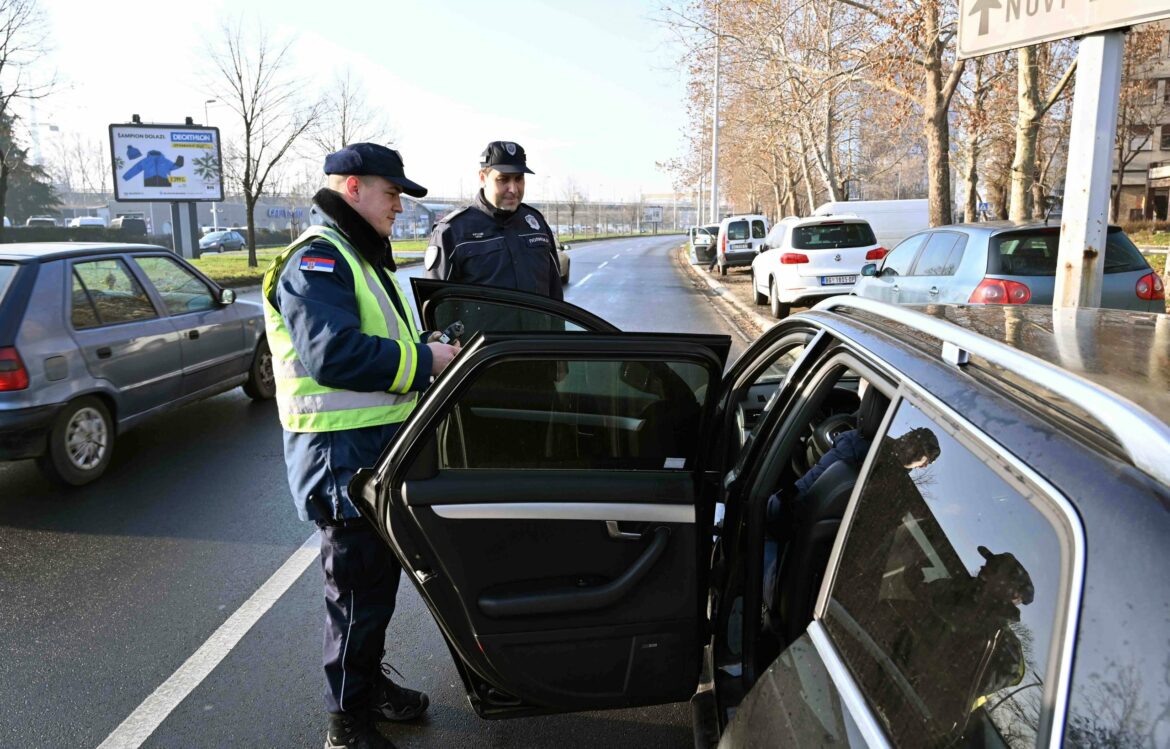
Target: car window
898,262
180,289
775,237
541,414
941,255
758,231
105,293
832,236
737,230
7,273
1033,253
946,600
478,316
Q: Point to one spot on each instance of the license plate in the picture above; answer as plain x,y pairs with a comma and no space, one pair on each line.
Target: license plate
741,245
835,280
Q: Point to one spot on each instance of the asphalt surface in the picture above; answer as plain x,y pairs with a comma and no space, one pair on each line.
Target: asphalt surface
107,590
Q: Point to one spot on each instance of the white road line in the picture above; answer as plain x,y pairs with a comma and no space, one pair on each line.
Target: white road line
583,280
615,257
141,723
603,265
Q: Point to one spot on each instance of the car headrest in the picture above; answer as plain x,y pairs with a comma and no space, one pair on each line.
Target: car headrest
873,408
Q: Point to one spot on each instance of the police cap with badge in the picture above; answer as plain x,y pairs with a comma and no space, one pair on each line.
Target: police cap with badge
373,160
504,156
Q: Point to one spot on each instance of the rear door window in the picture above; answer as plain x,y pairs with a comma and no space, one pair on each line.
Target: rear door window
106,293
7,273
942,254
1033,253
758,231
898,262
832,236
180,289
947,601
737,230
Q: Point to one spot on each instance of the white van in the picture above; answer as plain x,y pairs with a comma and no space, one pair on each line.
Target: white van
739,240
87,221
891,220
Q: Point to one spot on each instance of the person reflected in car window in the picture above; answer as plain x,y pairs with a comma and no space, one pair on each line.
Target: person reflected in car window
967,622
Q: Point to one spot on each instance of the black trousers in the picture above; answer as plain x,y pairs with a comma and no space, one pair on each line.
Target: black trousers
361,584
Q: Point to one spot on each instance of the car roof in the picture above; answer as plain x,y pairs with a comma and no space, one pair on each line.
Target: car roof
44,251
1000,227
830,218
1120,352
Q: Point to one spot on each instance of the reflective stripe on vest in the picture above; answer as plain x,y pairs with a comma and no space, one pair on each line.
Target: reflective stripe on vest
305,405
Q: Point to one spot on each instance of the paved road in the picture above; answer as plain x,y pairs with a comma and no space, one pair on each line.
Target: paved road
106,591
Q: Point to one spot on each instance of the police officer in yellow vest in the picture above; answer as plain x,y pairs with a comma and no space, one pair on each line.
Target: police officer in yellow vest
349,361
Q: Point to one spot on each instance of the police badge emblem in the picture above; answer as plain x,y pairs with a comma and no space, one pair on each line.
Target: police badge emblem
532,221
510,148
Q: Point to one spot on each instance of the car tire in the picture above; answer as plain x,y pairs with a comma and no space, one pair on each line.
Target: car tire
261,384
780,309
81,443
757,297
722,269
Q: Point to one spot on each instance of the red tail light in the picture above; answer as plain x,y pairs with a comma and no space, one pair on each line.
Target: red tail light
997,291
13,375
793,258
877,254
1150,288
723,245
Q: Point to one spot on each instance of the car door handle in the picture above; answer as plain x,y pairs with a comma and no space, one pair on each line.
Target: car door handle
934,291
192,334
560,600
895,287
104,352
615,532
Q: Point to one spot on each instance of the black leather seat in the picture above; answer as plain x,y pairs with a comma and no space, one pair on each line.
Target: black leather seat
807,555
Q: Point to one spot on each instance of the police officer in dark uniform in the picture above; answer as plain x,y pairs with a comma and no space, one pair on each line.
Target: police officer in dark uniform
497,240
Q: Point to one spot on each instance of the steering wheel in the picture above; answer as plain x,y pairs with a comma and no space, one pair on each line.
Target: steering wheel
822,434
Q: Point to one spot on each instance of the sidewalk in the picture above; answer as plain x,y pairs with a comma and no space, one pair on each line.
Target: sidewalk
734,289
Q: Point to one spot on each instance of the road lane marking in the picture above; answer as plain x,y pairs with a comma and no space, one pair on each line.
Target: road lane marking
583,280
137,728
603,265
615,257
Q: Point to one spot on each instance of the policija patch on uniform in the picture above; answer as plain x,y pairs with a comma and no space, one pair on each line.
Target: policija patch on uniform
321,264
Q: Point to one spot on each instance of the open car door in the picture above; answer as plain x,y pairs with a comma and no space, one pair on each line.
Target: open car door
545,498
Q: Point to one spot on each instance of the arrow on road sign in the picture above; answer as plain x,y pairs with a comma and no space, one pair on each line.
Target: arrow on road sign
985,7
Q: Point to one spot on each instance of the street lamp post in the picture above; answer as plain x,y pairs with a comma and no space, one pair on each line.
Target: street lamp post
214,207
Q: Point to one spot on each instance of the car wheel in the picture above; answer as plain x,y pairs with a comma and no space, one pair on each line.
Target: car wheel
565,280
780,310
81,443
722,269
757,297
261,384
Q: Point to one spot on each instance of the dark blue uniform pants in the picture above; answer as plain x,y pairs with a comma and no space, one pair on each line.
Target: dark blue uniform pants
361,584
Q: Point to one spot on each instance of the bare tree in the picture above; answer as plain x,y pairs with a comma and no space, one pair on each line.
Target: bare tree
1140,108
252,80
23,38
1032,104
346,117
572,197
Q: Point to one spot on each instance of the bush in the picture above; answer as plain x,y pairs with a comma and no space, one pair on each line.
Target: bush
1144,227
79,234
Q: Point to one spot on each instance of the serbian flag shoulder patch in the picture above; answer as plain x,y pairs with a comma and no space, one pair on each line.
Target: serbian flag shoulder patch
322,264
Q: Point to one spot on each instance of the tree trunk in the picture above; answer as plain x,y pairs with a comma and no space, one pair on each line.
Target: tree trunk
971,181
250,208
1027,130
3,190
936,106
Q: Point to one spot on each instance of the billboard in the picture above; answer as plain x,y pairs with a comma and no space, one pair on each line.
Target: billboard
169,163
651,214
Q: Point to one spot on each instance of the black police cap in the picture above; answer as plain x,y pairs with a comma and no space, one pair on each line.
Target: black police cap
504,156
371,159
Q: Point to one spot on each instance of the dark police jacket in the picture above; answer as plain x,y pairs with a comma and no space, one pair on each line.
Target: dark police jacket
482,245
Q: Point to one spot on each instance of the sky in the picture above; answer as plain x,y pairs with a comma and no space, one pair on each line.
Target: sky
592,90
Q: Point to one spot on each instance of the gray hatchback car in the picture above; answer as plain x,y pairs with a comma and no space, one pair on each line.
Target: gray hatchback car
1002,263
96,337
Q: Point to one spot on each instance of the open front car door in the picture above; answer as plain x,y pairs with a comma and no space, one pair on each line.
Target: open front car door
546,499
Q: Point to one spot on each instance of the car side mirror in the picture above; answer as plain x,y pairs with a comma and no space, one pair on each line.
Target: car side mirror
227,296
869,269
566,247
763,248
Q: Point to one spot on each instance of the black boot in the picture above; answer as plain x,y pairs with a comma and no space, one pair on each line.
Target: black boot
395,703
354,731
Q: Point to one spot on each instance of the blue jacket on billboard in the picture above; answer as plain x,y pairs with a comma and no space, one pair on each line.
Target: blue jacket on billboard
156,169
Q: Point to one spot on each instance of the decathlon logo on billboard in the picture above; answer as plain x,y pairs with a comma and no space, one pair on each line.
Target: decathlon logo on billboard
190,137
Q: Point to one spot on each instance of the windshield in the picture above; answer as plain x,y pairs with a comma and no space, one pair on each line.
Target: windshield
832,236
1032,252
737,230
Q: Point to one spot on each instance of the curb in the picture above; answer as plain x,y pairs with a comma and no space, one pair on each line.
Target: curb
718,290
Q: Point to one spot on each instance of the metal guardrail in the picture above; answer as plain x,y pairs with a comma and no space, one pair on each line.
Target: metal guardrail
1145,438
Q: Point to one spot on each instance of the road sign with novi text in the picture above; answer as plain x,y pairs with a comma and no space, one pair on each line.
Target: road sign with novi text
987,26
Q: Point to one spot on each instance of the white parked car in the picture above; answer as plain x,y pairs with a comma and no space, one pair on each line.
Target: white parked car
87,221
891,220
805,259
